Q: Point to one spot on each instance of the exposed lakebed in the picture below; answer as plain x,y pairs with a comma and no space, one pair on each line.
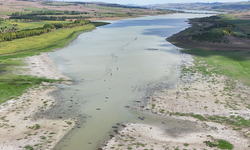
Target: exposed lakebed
111,67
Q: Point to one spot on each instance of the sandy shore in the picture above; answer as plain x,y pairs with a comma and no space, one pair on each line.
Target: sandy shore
195,93
18,126
42,66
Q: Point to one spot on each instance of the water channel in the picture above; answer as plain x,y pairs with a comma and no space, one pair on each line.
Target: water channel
111,67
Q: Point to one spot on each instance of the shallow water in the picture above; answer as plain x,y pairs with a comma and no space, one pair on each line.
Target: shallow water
113,66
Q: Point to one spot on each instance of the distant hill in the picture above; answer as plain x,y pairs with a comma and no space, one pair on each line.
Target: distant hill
227,7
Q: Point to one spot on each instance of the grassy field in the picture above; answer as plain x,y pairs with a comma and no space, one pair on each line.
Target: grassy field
21,25
101,7
40,42
5,13
6,26
12,85
8,11
37,9
239,23
235,64
59,4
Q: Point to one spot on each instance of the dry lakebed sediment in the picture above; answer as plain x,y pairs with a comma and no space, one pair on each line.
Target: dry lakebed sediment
194,96
194,93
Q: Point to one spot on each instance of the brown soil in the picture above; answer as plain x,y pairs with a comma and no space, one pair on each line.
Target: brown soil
243,16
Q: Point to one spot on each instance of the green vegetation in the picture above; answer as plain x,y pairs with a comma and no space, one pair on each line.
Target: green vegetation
29,147
16,86
44,42
23,24
69,123
234,121
240,6
58,4
233,6
37,9
47,15
220,25
234,64
35,127
211,144
222,144
219,32
37,31
212,29
13,85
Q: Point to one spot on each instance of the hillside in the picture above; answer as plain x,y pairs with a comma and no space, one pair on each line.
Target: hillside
216,6
73,9
222,32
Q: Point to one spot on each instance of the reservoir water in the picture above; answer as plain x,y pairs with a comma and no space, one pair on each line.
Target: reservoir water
111,67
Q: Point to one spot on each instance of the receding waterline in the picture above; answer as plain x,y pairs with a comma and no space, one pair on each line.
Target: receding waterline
113,66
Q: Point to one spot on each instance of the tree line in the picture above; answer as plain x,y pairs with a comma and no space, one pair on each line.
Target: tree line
37,31
37,18
48,13
111,5
41,15
213,33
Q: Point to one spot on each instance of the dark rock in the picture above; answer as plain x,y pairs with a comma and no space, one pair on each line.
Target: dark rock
116,131
141,118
